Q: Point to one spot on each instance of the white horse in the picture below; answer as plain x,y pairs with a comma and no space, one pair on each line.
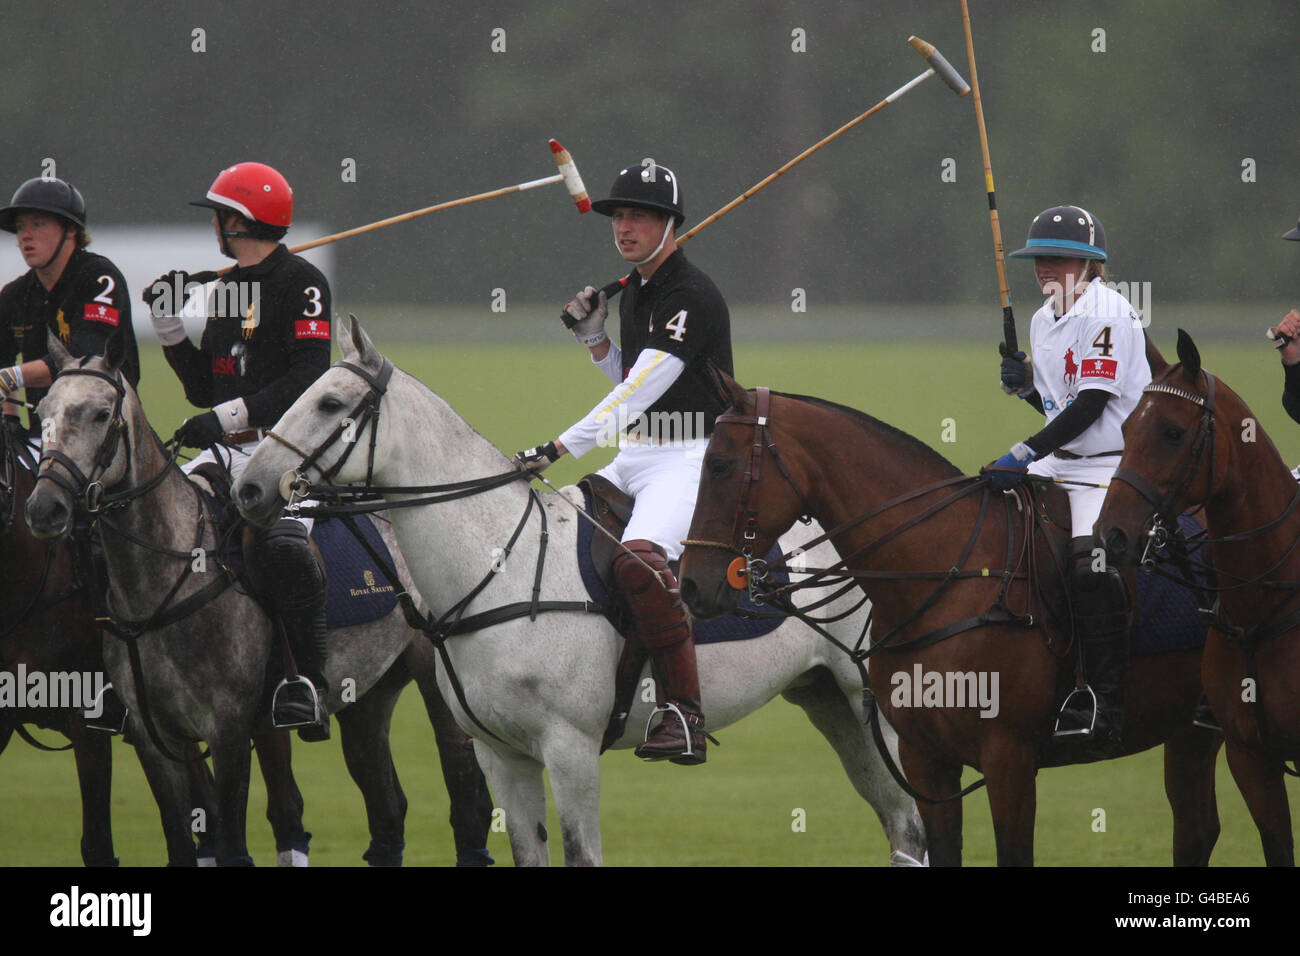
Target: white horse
543,691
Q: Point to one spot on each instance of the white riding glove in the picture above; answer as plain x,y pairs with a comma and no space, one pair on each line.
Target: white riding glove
588,324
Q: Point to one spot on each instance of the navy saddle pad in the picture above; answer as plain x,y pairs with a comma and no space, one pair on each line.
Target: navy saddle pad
1167,619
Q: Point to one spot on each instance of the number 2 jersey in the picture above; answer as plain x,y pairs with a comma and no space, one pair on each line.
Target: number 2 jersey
87,305
1099,343
679,321
266,340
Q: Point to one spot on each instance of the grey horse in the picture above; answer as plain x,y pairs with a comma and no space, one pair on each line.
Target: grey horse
202,650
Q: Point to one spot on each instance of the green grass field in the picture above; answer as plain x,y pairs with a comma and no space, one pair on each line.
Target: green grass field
739,808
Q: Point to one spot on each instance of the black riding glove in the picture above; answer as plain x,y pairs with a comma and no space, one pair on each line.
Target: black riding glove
1017,375
201,431
537,459
163,290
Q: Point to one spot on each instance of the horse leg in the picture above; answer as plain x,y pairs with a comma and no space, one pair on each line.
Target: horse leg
1259,778
203,804
1010,766
283,798
94,754
516,781
573,764
231,763
832,712
170,787
935,775
471,804
364,728
1190,756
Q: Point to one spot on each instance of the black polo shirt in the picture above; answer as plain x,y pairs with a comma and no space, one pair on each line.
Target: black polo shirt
266,340
679,311
88,304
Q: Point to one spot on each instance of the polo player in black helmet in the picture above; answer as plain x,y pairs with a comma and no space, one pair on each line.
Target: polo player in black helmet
673,329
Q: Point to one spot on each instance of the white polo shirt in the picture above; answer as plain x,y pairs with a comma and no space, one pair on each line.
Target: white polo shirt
1099,344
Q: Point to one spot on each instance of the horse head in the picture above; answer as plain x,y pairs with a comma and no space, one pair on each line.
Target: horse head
343,405
86,426
1172,460
738,516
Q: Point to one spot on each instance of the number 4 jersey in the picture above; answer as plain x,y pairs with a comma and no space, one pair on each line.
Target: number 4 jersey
1099,343
267,338
88,304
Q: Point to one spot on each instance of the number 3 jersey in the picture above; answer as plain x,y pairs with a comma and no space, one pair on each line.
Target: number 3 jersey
1099,343
88,304
266,340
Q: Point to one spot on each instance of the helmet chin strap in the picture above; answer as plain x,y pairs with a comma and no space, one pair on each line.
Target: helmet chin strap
659,248
229,234
58,249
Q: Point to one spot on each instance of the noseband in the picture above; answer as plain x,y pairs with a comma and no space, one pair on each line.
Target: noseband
365,413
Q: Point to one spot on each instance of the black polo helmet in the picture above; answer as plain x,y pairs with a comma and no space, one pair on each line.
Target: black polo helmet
648,186
1068,231
44,195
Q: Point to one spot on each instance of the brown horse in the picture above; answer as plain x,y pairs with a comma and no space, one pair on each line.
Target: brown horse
898,511
1192,440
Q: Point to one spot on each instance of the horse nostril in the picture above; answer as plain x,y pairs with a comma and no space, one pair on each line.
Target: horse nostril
689,591
250,493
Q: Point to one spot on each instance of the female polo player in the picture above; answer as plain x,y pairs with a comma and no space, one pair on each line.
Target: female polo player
1088,371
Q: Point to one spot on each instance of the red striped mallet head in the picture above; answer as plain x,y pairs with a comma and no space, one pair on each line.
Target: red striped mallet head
572,181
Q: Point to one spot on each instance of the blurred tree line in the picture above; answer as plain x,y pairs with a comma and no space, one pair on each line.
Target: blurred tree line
1153,123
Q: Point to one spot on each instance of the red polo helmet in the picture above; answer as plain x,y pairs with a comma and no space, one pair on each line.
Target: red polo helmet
255,191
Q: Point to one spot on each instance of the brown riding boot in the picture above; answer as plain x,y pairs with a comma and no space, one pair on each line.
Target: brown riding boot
664,627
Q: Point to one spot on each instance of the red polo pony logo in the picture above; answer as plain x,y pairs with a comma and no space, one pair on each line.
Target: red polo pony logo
1071,367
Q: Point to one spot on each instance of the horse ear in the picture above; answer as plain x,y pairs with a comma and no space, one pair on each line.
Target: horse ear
55,351
1188,355
114,351
361,346
1154,358
729,390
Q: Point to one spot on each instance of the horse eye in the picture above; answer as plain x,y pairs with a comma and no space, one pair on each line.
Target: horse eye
721,467
102,416
1173,433
330,404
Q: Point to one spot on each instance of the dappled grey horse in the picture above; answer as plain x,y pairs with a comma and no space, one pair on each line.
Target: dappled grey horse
201,648
541,692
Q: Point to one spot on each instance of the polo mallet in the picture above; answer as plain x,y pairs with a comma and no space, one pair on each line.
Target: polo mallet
568,175
938,65
1008,317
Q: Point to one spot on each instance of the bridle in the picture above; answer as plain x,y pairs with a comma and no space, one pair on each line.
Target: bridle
1164,516
747,571
89,488
366,413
